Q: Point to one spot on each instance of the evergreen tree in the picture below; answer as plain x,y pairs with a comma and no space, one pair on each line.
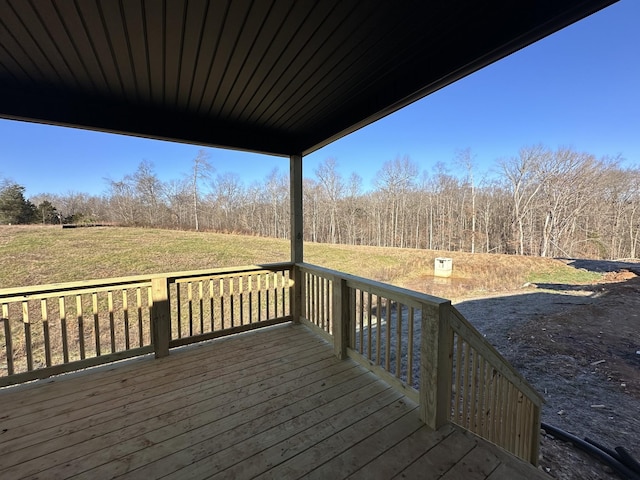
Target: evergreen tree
47,213
14,207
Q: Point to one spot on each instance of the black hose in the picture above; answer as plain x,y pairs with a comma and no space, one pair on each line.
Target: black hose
620,468
628,460
608,451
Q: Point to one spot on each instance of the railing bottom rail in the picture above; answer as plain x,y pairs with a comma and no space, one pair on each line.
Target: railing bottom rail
73,366
179,342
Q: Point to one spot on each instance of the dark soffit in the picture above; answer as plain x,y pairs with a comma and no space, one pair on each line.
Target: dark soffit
278,77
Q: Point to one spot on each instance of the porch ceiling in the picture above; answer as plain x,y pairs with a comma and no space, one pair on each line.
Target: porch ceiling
274,76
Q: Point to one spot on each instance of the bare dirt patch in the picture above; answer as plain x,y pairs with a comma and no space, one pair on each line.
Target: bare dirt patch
578,345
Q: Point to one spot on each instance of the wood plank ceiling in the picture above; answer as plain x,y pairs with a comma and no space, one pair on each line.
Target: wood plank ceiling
274,76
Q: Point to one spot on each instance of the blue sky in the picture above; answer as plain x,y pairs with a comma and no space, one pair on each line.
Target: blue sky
579,88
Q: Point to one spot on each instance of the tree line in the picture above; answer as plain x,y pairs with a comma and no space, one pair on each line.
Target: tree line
552,203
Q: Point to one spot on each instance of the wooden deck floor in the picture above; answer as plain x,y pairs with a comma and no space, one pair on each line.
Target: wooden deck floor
274,404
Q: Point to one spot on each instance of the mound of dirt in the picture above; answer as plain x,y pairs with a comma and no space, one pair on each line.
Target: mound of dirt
620,276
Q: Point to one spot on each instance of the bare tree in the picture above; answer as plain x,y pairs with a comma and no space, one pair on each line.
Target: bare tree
277,191
333,189
201,170
524,177
226,200
464,158
396,180
149,192
353,208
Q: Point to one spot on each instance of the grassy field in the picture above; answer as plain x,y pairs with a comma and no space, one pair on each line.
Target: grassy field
36,255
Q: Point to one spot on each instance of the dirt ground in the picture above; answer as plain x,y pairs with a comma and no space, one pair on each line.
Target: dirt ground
580,347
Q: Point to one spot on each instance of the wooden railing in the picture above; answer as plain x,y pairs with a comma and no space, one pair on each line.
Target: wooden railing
422,345
490,398
210,304
51,329
416,342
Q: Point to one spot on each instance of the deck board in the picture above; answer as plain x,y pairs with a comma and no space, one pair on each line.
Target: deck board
269,404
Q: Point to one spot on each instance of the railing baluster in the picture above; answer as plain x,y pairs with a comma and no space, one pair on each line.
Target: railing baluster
309,297
369,322
316,296
467,385
497,407
190,306
250,288
523,427
266,292
317,299
178,303
342,317
387,351
284,278
324,321
329,307
241,296
112,325
495,404
275,294
513,433
306,297
150,312
410,320
398,338
310,303
27,335
518,426
211,305
125,313
139,311
359,294
201,304
80,317
96,322
508,415
473,426
231,303
479,415
504,409
458,382
45,331
259,288
63,329
378,329
221,292
7,338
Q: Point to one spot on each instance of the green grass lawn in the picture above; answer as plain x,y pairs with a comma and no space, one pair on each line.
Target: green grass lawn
38,255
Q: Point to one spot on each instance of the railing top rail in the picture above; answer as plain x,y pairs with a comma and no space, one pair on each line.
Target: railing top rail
10,294
267,267
18,293
78,290
462,326
410,296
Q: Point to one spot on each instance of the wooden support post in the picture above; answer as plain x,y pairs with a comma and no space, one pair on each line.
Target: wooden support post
161,316
436,352
296,234
296,293
341,311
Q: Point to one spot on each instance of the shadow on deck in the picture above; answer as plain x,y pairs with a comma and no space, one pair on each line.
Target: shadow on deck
274,403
